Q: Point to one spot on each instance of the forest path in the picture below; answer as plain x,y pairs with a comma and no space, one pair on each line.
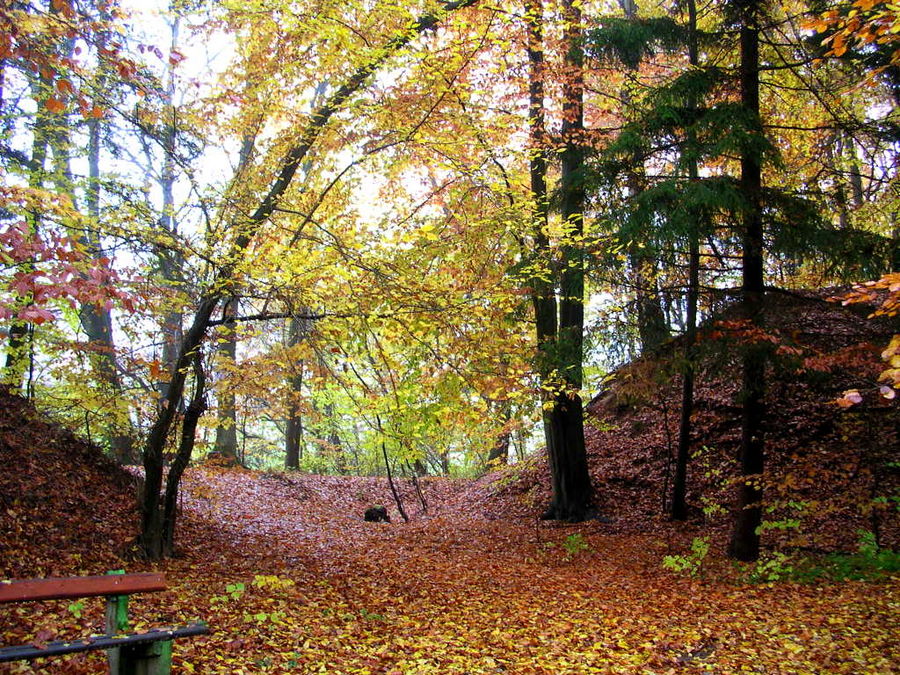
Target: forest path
454,592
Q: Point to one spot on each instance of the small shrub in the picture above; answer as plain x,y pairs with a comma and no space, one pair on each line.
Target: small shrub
691,564
575,544
869,562
770,568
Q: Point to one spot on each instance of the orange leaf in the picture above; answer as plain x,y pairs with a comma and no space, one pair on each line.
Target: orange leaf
54,105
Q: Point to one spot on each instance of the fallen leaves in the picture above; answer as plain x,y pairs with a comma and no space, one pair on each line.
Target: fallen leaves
292,580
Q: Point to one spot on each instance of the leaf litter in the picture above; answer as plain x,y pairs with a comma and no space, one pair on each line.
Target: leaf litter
292,580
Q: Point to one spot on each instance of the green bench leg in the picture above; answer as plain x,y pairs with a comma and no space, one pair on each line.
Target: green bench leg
150,659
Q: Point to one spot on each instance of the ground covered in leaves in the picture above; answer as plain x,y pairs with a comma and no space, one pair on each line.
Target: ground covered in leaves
292,580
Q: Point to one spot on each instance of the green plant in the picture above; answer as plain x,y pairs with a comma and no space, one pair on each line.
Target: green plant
691,564
868,562
370,616
575,544
770,568
232,592
266,617
76,608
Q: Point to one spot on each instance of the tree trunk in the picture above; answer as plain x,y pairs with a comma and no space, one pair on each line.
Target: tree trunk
226,430
152,537
97,321
192,415
653,330
679,487
293,433
745,536
20,343
560,340
171,262
499,453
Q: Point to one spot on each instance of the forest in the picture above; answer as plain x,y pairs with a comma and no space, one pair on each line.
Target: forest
592,306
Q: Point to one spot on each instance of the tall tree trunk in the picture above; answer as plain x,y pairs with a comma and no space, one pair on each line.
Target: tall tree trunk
293,434
19,343
97,321
152,539
679,487
171,262
653,329
564,421
745,536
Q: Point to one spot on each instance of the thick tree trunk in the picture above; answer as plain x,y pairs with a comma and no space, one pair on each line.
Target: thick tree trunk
745,536
560,342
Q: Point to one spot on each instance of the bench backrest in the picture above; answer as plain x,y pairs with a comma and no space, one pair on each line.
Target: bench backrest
60,588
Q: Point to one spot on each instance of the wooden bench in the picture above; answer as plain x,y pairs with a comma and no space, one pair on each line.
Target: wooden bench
147,653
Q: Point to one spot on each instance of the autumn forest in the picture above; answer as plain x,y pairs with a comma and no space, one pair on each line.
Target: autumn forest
450,336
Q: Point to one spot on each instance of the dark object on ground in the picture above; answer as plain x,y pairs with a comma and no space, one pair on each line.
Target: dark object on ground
377,514
149,652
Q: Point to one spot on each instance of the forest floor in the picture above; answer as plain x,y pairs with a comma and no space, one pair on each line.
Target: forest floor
455,591
292,580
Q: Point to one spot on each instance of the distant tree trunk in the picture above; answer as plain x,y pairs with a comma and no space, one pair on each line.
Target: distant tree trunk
653,329
293,433
336,448
679,488
745,536
499,453
560,337
226,430
97,321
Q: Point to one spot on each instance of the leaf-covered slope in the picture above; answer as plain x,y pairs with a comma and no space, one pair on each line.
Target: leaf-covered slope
832,460
64,506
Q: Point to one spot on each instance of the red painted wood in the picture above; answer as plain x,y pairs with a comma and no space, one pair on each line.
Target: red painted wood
80,587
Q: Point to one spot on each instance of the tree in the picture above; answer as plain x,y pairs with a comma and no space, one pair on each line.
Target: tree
745,536
560,324
152,539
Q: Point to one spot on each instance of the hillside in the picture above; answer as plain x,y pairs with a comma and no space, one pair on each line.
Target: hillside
832,459
64,506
